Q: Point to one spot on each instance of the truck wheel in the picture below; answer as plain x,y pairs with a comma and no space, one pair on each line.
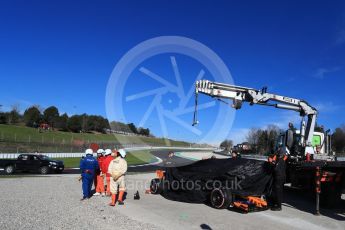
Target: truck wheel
9,169
221,198
44,170
156,186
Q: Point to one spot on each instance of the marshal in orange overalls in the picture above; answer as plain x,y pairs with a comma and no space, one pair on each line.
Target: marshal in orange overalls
100,176
105,165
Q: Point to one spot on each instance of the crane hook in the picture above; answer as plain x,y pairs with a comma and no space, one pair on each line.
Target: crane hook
195,117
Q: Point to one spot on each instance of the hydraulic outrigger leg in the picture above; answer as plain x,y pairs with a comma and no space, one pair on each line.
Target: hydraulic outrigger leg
318,190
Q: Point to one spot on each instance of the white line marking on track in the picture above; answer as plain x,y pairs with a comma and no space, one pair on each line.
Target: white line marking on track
159,160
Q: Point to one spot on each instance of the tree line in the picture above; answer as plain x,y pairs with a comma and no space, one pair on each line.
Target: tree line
35,117
338,140
263,141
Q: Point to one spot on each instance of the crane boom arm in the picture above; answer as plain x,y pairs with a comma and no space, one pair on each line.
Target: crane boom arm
243,94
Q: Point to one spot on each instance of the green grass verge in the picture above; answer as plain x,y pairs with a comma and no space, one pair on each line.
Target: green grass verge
24,139
132,158
26,134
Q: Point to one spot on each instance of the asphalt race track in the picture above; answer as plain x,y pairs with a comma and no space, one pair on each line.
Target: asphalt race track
53,202
162,154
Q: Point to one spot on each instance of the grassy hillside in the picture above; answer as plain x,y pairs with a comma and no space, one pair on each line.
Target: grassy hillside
25,139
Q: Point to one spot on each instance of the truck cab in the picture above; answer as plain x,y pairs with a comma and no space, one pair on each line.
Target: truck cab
320,145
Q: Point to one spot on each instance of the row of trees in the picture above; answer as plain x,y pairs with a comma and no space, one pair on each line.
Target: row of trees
227,144
263,140
338,140
33,117
12,117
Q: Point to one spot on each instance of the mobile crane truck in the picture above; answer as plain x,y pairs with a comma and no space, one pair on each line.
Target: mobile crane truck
311,164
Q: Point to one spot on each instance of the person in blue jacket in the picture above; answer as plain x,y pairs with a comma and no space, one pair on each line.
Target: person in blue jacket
88,168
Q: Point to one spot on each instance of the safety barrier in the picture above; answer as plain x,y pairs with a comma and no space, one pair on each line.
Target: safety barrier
78,155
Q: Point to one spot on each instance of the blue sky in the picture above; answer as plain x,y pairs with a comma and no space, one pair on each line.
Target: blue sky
63,52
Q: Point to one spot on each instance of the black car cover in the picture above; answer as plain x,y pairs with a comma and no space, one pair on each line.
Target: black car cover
193,183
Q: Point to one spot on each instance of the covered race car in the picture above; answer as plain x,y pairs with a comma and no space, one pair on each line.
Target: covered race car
224,183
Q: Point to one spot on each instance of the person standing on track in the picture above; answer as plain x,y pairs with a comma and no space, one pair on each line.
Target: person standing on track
88,168
99,175
118,169
105,165
279,177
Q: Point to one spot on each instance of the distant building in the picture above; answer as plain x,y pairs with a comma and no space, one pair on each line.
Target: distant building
44,127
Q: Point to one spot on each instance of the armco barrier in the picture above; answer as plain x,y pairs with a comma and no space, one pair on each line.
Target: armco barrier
79,155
